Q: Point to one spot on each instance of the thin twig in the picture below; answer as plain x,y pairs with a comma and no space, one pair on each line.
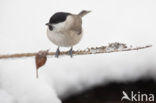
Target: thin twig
97,50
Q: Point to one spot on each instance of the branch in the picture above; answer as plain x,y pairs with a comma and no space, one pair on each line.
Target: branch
113,47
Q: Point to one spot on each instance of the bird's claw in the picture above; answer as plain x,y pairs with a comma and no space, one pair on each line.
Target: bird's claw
57,53
70,52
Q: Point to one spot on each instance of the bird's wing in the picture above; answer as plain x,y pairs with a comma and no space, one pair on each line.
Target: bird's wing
76,25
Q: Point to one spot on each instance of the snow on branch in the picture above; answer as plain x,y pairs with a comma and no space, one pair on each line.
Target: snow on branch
41,56
113,47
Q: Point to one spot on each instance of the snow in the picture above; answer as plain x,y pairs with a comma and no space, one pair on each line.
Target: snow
5,97
22,29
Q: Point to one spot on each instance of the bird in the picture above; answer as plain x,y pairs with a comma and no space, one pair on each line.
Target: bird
64,29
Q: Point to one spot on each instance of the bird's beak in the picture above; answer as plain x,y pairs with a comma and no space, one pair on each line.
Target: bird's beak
47,24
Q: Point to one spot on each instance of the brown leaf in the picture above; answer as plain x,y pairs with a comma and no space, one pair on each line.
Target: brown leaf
40,59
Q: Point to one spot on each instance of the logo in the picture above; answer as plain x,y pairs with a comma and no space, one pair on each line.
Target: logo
137,97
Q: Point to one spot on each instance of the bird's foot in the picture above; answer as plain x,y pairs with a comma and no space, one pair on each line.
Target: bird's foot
70,52
57,52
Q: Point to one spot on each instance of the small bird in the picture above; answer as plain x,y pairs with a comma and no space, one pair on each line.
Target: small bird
65,29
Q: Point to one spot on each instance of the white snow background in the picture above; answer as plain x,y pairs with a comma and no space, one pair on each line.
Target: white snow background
22,29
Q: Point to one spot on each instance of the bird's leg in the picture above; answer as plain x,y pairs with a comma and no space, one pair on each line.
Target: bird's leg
57,52
71,52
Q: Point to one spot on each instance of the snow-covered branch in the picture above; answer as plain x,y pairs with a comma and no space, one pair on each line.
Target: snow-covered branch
113,47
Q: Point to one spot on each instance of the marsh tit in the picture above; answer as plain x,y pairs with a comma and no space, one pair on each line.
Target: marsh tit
65,29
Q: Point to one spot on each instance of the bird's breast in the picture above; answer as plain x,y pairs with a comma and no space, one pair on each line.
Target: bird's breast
64,38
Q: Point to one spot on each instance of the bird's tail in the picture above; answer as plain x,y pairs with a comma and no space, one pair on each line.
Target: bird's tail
83,13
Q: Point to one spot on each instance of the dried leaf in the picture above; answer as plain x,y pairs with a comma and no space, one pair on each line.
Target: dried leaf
40,59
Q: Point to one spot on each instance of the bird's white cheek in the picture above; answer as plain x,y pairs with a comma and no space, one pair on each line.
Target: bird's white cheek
63,25
59,27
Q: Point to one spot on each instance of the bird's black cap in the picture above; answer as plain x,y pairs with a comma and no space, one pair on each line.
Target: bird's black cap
58,17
